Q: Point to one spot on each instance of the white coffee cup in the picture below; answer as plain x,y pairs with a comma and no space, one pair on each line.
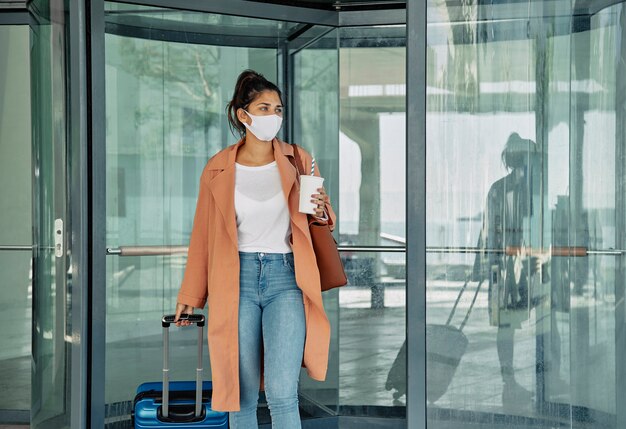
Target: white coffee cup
308,187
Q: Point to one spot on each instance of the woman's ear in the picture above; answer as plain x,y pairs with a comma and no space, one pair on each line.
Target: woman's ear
241,115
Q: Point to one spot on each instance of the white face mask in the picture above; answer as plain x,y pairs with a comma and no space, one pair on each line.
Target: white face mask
264,127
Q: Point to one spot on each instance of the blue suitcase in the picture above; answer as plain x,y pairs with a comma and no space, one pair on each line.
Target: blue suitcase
181,404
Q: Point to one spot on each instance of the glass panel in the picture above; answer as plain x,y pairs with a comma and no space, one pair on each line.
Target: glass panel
51,399
523,208
485,191
139,291
592,211
226,28
372,368
16,304
15,216
15,151
176,100
372,136
372,146
315,128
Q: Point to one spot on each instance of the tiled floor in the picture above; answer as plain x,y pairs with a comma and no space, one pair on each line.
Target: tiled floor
15,378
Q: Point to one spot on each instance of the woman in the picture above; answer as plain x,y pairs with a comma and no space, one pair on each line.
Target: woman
511,212
250,256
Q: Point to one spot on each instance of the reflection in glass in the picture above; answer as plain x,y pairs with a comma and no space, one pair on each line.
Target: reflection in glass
224,28
515,276
372,336
372,141
523,209
15,217
51,400
372,136
315,127
16,302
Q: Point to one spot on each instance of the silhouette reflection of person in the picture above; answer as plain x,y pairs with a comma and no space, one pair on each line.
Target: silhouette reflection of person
508,262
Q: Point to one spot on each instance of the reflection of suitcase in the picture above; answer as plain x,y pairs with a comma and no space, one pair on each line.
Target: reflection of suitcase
180,404
445,346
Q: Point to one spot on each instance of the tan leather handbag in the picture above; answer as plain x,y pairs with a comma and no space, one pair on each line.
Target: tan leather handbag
329,263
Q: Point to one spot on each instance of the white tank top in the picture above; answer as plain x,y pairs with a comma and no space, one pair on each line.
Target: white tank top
263,222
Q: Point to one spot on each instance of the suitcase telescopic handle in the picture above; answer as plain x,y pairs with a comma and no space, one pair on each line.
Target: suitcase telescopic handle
166,321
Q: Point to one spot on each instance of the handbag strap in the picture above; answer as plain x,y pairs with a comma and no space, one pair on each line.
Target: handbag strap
298,164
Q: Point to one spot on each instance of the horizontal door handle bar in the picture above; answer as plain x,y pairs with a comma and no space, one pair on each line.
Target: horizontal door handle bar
562,251
171,250
430,249
573,251
146,250
567,251
551,251
385,249
606,252
16,247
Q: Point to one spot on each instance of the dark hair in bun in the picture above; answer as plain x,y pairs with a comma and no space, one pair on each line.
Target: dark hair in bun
249,85
518,152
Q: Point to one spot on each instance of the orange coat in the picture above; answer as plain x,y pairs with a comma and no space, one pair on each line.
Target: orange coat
212,271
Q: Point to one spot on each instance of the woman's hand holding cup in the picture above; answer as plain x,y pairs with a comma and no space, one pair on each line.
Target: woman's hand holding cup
320,201
311,190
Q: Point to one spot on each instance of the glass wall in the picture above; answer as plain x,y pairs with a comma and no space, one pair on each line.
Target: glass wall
315,118
51,293
372,143
524,165
16,220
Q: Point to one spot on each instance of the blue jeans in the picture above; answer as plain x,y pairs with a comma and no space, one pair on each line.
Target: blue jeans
271,315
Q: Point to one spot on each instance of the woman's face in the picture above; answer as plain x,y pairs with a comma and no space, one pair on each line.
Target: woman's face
266,103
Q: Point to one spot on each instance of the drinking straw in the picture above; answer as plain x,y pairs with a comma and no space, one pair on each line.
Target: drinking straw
312,166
